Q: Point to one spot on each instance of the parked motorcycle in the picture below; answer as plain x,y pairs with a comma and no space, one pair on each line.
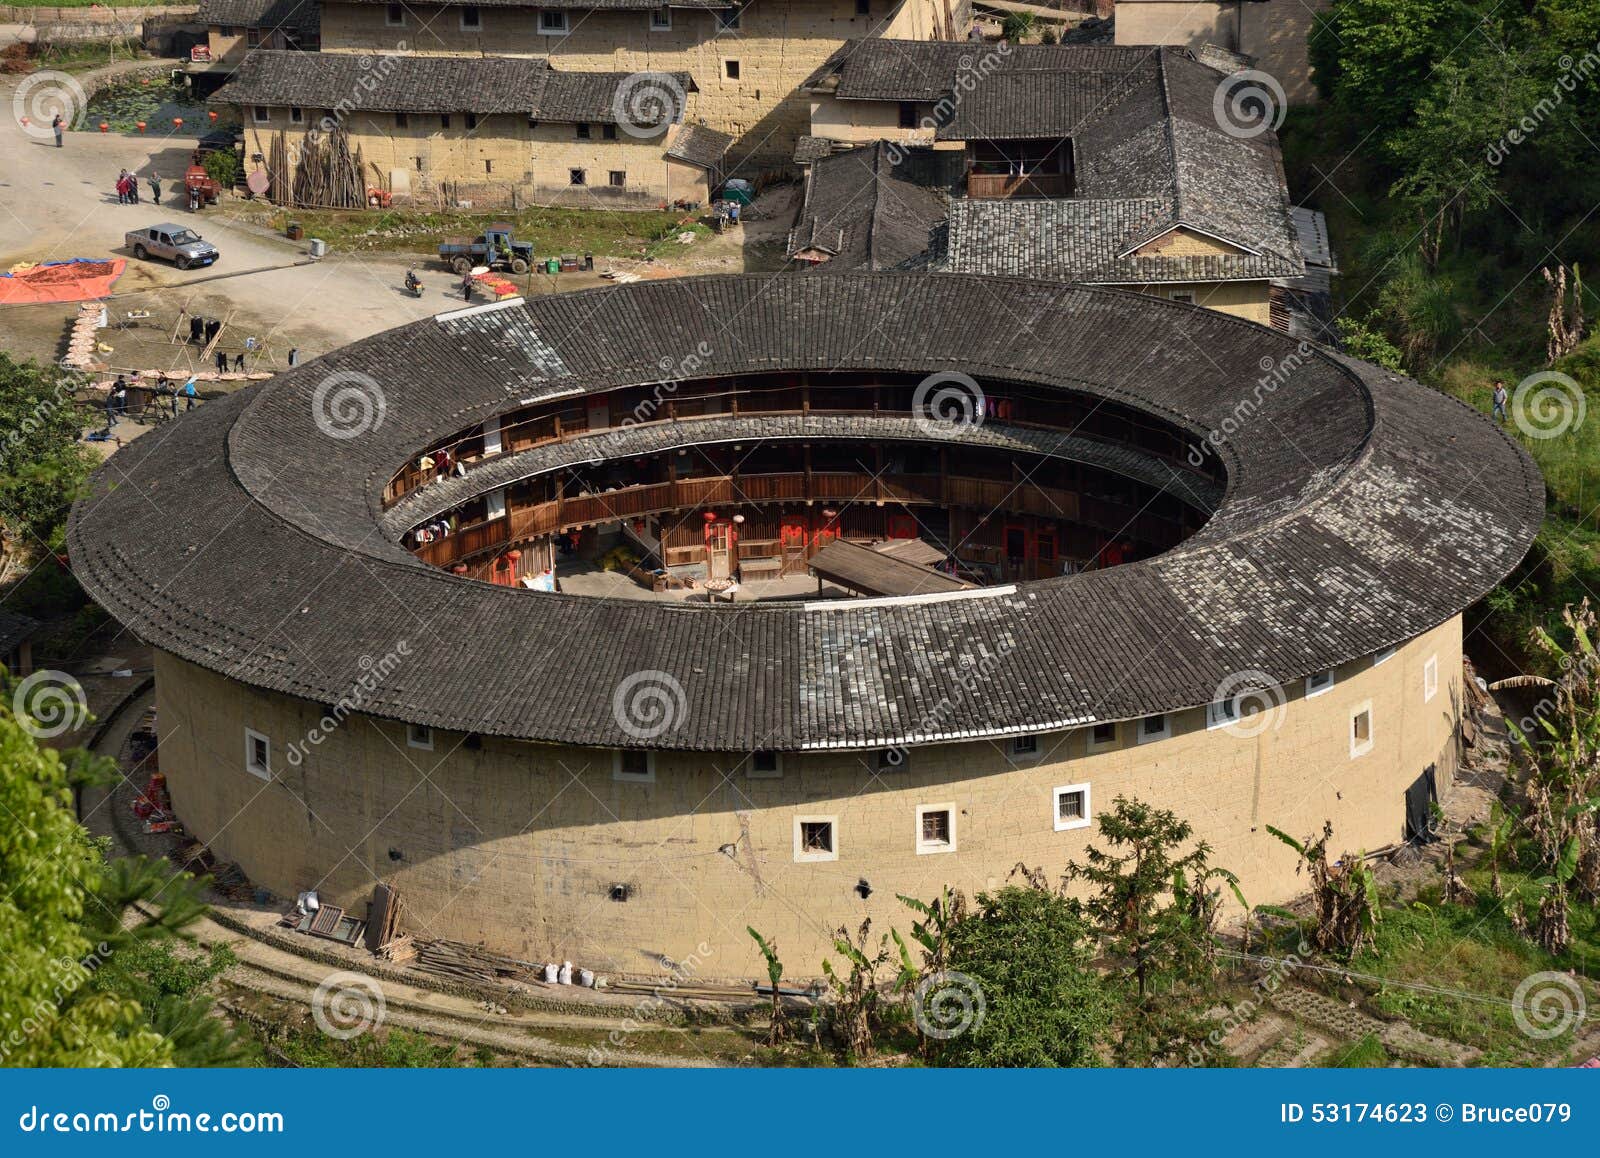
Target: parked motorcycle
413,284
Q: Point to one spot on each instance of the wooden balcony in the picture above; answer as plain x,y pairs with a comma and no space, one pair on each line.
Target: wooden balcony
1006,186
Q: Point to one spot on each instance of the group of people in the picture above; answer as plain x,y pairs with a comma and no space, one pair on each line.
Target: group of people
117,398
440,464
128,188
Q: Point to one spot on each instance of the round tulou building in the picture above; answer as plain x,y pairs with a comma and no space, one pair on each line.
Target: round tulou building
606,625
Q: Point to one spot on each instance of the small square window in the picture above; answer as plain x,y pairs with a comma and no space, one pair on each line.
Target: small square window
1071,807
400,121
1319,683
639,767
472,120
1153,728
1381,656
260,115
863,7
764,766
1102,736
582,132
252,37
616,178
419,736
661,20
815,838
1361,730
936,828
297,116
488,165
608,132
1182,296
444,120
730,69
728,17
1025,746
892,760
1222,713
1430,679
394,15
577,177
257,754
552,21
471,18
908,115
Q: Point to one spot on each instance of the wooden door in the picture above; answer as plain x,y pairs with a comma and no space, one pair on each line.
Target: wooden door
792,535
719,550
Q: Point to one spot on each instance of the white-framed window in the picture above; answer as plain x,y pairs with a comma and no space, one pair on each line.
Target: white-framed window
494,504
394,15
1025,747
764,766
936,828
634,765
257,754
553,21
297,116
617,178
891,760
1070,806
1222,713
1430,679
1383,656
1361,730
1102,737
471,18
816,838
419,736
661,19
1316,684
260,114
1152,728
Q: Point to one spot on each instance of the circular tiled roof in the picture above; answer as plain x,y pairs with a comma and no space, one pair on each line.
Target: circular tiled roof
1361,509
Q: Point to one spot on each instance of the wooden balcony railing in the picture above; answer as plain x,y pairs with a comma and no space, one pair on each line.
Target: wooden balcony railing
1009,185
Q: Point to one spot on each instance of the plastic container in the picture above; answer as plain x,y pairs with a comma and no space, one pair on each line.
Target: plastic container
295,231
553,265
319,248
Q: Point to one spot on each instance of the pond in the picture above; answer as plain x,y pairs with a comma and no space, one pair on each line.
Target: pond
123,106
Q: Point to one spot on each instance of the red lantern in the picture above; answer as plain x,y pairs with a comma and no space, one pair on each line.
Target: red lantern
710,516
104,128
212,113
177,122
141,126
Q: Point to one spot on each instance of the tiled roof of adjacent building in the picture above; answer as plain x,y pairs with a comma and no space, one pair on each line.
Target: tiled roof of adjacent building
700,145
1148,151
291,15
379,82
249,541
14,629
863,209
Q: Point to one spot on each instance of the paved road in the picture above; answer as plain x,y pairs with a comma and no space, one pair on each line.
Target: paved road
59,203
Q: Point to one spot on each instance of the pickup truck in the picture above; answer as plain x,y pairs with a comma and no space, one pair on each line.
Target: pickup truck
182,245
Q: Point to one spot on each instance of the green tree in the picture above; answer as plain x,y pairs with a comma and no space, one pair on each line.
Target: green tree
42,463
1145,896
1374,58
66,913
1021,963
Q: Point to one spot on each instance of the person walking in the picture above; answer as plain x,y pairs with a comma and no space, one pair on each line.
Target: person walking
1500,401
174,402
155,188
294,357
190,395
238,360
466,287
59,125
222,362
122,187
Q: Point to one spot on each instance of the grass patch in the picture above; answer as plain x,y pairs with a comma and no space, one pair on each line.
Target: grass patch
1366,1054
72,55
1473,950
602,232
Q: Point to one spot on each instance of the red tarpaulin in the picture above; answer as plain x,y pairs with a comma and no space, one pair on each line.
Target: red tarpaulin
77,280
